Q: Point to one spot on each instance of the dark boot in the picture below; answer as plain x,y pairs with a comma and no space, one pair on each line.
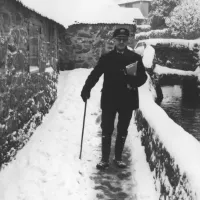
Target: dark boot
119,146
119,163
102,165
107,125
106,147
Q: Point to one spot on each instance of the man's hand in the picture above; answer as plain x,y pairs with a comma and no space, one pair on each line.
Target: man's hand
85,94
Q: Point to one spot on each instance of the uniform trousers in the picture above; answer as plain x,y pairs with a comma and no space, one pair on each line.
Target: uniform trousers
107,125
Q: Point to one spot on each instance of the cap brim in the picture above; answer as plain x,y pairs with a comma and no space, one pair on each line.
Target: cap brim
121,36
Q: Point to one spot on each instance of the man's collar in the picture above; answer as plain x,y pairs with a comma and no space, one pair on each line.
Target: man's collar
120,52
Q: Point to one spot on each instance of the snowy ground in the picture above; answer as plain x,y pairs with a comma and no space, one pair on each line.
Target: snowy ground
48,167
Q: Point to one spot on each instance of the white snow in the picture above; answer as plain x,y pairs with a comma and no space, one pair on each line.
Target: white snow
128,1
49,69
139,50
178,43
182,146
152,34
34,69
88,11
111,14
148,56
144,26
166,70
48,167
142,175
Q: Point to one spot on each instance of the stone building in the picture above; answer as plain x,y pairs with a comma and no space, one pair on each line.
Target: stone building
27,39
86,42
29,42
91,35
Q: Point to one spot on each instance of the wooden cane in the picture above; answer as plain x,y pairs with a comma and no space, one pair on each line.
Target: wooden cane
83,129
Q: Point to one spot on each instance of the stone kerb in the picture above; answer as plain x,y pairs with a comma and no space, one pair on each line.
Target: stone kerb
173,162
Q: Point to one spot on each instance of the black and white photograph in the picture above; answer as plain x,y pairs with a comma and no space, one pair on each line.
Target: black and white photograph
99,99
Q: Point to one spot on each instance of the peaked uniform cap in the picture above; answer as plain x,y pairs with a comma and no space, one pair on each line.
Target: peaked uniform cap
121,32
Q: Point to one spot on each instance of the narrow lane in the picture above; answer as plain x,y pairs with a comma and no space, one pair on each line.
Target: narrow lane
48,167
115,183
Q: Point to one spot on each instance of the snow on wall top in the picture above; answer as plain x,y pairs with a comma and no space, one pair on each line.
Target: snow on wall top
179,43
181,145
67,13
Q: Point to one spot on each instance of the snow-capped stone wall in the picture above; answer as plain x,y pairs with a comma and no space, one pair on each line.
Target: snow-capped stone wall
169,76
178,57
85,43
170,181
171,152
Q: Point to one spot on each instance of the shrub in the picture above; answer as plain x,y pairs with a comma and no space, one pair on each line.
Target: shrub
159,10
184,21
165,33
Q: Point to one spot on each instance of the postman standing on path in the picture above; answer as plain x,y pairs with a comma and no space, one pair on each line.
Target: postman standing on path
123,73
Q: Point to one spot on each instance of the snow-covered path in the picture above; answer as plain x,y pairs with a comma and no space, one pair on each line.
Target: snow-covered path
48,167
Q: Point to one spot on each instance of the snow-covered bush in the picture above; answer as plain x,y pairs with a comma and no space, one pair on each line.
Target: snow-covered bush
184,20
143,28
165,33
159,10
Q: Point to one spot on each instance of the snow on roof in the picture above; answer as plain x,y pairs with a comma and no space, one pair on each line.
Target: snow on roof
42,7
131,1
67,13
109,14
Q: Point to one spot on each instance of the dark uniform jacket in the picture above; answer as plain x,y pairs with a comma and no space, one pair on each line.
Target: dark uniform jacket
115,93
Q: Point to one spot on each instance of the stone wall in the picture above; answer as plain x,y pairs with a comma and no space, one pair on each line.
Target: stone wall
175,61
26,39
24,100
85,43
177,58
170,182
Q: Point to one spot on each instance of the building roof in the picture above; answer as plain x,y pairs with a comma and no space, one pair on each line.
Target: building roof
109,15
130,1
41,7
67,13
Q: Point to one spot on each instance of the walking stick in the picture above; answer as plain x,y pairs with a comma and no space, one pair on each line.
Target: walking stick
83,128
